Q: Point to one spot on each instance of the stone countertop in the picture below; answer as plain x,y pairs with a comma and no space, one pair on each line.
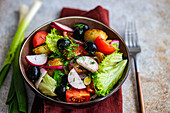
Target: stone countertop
153,24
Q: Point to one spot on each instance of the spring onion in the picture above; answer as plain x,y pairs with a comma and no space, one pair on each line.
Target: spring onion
17,98
18,37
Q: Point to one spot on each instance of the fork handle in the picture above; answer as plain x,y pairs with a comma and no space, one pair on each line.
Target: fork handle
139,87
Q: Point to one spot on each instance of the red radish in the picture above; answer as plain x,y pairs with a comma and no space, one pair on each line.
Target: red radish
37,60
75,80
63,27
42,74
77,41
115,42
88,63
55,27
54,67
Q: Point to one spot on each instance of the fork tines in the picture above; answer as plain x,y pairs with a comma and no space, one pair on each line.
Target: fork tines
131,38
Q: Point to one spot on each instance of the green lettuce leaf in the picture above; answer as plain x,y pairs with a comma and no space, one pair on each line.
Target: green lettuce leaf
109,61
110,71
48,85
51,40
115,46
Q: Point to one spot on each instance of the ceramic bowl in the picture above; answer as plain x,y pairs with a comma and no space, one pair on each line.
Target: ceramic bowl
71,21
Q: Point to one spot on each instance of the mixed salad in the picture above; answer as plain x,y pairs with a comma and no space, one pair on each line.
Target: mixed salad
75,65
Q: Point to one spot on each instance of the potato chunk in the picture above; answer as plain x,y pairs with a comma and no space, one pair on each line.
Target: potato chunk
92,34
55,62
99,56
43,49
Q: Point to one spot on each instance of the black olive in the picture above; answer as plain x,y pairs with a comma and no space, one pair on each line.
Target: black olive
79,30
78,33
64,79
61,91
63,43
86,27
90,47
33,73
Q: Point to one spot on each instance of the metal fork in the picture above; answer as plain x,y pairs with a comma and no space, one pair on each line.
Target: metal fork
131,40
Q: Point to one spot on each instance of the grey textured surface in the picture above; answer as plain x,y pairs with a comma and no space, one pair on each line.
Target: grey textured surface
153,24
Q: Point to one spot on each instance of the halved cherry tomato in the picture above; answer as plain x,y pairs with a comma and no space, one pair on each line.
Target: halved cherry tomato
77,95
39,38
103,46
78,51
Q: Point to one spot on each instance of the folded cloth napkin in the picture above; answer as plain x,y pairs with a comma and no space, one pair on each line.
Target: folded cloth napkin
113,104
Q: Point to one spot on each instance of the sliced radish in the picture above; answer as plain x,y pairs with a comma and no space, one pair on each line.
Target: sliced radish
75,80
88,63
37,60
54,67
63,27
55,27
115,42
77,41
42,74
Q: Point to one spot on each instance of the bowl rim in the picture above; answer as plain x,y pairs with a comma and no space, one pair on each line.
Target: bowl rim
66,103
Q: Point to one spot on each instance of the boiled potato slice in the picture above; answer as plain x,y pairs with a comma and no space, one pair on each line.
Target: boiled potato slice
92,34
43,49
55,62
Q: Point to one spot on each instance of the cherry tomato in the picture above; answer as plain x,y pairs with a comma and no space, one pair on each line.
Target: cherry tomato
77,95
39,38
79,51
103,46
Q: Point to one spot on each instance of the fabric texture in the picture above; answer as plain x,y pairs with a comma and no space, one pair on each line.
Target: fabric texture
113,104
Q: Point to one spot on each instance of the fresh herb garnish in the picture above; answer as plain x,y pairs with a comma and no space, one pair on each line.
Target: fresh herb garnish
71,51
55,55
58,76
83,58
67,87
92,62
73,79
66,63
79,25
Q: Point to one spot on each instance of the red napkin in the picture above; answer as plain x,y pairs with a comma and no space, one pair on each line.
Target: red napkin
113,104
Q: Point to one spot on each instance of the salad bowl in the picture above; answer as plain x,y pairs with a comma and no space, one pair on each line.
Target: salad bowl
71,21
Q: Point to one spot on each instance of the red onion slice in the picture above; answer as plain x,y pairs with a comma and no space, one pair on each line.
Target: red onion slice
54,67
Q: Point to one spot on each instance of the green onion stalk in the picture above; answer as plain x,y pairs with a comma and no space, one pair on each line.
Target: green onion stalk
18,37
17,98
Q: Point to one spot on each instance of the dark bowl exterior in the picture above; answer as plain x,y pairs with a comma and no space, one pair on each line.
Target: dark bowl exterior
71,21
